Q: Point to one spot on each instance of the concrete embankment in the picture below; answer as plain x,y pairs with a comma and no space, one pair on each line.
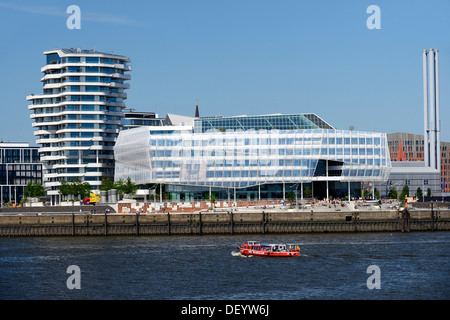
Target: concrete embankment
249,222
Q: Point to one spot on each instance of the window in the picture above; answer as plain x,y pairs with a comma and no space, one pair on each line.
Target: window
87,98
91,69
74,69
87,107
92,88
88,117
73,59
91,79
92,59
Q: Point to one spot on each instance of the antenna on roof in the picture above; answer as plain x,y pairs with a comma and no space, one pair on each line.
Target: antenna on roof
197,115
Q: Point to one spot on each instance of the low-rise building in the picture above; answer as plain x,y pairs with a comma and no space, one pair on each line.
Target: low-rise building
19,165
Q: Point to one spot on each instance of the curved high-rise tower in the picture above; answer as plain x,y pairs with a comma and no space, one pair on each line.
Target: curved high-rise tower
78,116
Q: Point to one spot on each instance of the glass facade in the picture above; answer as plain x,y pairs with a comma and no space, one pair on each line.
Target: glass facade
260,122
243,159
19,165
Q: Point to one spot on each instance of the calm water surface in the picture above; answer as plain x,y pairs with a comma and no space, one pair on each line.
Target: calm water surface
332,266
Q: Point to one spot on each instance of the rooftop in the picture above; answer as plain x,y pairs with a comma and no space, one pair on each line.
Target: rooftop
268,121
70,51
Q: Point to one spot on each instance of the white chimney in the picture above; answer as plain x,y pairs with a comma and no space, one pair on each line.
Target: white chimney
432,139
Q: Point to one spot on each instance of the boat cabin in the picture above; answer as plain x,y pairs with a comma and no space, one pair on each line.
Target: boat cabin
258,249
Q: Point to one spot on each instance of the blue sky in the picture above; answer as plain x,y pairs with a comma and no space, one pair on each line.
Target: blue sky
241,57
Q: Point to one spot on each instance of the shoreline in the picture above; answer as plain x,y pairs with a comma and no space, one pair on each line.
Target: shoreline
240,221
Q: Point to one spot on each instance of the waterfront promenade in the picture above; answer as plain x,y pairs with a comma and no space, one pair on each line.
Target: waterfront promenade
131,219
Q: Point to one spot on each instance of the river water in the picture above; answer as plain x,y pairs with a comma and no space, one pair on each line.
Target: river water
331,266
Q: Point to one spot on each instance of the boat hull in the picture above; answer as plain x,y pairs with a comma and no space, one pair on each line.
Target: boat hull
270,254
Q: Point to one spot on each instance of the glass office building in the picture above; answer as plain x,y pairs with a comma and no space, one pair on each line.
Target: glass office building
78,116
252,160
19,165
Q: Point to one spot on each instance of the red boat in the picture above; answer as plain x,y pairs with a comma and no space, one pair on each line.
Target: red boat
255,248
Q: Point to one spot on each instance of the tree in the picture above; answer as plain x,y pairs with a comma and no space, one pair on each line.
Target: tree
291,196
213,199
27,191
38,190
419,193
119,185
308,192
65,188
428,192
107,184
393,193
404,193
75,188
129,187
83,189
34,190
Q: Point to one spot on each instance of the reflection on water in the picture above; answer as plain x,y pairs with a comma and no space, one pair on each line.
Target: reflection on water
331,266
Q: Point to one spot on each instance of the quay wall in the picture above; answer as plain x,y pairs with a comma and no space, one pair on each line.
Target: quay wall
233,222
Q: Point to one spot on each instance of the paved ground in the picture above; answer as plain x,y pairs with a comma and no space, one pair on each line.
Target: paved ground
319,206
276,207
58,209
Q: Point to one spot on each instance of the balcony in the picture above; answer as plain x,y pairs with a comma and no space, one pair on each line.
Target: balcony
52,158
122,66
121,76
119,85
